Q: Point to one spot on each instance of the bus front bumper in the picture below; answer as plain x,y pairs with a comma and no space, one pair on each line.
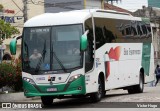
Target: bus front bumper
76,87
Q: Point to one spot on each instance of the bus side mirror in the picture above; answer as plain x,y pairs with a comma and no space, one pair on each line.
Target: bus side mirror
84,41
13,46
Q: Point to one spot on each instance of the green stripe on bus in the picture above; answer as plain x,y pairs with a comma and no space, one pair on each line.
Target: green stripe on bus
41,90
146,54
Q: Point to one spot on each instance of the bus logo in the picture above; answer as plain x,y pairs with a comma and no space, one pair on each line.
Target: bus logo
115,53
51,78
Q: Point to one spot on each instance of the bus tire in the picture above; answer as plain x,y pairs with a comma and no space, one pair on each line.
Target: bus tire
95,97
47,100
139,87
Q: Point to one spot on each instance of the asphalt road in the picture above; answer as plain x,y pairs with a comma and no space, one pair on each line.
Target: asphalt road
119,99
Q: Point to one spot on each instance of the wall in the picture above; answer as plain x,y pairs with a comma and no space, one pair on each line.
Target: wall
94,4
54,6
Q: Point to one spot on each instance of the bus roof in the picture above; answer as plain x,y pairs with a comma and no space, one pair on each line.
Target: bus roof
74,17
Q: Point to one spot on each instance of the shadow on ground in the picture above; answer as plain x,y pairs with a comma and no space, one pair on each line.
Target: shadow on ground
84,102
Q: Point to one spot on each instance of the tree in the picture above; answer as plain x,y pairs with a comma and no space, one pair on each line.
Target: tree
6,30
1,8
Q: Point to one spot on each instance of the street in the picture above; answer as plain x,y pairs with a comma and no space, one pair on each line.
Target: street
113,99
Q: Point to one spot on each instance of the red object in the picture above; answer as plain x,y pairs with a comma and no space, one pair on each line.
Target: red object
115,53
107,67
9,11
112,54
118,52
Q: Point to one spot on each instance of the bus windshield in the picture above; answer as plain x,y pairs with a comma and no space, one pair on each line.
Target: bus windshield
55,49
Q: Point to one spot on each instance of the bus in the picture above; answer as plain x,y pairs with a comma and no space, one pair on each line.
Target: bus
85,53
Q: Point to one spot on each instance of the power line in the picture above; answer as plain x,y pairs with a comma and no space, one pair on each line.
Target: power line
38,3
34,2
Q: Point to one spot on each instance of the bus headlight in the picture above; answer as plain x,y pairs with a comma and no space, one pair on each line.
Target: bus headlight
74,77
29,80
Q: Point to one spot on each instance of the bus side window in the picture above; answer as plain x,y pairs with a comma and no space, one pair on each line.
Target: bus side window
139,30
89,60
103,32
89,53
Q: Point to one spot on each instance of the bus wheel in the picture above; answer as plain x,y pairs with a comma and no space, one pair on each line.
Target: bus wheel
139,88
95,97
47,100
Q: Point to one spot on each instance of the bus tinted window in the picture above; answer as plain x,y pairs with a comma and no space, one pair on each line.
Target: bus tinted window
89,53
121,31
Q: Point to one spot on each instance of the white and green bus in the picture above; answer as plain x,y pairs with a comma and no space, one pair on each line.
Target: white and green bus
85,53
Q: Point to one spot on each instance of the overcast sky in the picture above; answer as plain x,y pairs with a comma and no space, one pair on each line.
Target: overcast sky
132,5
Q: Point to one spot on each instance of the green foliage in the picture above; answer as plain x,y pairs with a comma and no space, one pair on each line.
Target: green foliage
6,30
10,75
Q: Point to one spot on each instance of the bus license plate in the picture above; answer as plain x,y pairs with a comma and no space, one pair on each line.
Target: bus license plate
51,89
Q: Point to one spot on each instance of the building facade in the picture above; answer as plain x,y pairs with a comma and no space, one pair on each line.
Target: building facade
53,6
153,14
155,6
13,12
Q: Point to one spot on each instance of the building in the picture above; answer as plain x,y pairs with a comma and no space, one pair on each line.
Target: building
108,6
13,13
153,14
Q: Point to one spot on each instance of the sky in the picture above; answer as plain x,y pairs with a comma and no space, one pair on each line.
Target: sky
132,5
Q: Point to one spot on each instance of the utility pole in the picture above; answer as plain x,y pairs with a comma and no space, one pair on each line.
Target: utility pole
25,8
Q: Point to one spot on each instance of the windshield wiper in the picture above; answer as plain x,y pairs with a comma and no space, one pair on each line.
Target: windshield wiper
40,60
58,60
26,48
